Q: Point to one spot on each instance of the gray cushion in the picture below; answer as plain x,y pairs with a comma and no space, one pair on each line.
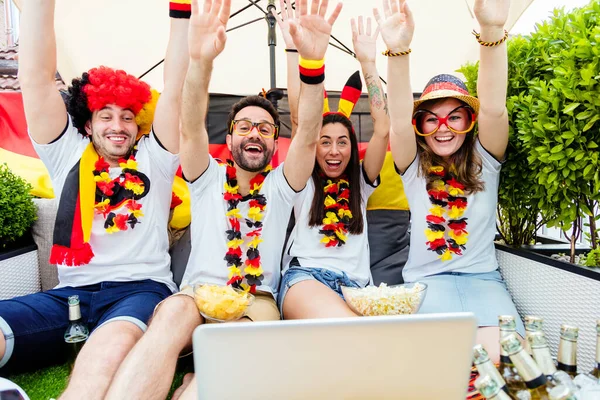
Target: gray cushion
43,230
389,243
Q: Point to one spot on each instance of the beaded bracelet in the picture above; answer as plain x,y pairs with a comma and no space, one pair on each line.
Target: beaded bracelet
180,9
389,53
490,44
312,72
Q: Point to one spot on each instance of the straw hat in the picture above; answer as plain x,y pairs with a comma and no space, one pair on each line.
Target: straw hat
444,86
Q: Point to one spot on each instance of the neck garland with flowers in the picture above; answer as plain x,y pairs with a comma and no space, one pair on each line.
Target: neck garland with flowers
120,193
446,231
337,212
252,267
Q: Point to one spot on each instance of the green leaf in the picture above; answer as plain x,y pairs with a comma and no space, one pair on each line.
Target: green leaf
570,108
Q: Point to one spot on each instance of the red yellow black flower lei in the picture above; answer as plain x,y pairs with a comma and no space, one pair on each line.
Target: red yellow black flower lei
119,193
337,212
447,200
252,267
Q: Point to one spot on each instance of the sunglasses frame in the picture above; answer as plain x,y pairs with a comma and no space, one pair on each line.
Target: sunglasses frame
254,125
444,120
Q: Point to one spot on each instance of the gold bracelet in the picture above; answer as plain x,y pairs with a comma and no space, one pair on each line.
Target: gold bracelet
389,53
490,44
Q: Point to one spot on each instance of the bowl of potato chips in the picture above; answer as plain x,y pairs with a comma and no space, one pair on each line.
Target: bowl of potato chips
221,303
385,300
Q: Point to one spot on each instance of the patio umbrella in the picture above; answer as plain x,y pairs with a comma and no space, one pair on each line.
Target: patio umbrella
132,35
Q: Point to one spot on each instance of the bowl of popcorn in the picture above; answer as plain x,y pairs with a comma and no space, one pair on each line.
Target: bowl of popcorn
221,303
385,300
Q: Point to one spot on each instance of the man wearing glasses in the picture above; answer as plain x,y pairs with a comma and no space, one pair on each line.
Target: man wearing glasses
240,209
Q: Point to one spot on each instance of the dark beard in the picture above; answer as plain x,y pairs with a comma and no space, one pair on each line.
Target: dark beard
251,166
102,152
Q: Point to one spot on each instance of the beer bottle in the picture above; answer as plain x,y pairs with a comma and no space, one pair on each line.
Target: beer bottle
541,353
532,324
567,349
534,379
490,389
596,371
506,368
77,332
484,366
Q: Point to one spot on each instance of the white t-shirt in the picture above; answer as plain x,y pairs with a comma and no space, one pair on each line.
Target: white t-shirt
209,242
131,255
479,254
304,243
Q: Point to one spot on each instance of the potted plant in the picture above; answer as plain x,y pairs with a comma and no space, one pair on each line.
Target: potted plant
551,175
551,172
19,273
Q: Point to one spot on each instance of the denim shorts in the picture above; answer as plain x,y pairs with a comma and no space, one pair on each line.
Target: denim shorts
332,280
483,294
33,325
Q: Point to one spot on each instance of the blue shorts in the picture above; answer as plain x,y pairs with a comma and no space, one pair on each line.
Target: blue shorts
483,294
332,280
33,326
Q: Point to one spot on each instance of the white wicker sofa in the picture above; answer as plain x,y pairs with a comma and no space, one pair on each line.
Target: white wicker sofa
559,292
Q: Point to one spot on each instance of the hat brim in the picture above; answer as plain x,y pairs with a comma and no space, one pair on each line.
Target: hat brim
473,102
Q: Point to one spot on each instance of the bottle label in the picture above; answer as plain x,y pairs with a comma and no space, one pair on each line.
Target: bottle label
488,368
567,354
544,360
74,313
528,369
567,367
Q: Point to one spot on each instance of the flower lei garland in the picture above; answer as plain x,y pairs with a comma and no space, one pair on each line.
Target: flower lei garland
253,269
337,212
107,190
447,199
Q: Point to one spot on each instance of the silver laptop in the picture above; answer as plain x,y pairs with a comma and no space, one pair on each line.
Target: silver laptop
402,357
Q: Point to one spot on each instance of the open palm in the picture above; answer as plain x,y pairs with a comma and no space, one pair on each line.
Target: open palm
311,32
363,41
207,29
492,13
397,26
283,20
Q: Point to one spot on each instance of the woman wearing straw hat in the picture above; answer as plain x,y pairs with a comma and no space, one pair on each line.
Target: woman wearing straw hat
451,175
328,247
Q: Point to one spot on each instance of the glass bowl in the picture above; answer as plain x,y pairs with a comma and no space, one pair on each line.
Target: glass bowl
385,300
221,303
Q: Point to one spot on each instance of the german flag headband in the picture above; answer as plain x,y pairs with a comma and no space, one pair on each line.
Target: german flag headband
348,99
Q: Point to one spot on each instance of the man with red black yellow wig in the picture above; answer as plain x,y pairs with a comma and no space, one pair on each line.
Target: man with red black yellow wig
112,166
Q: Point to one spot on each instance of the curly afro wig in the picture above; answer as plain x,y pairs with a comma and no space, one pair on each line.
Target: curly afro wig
101,86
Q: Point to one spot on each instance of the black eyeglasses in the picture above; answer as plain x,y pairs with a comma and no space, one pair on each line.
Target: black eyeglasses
243,127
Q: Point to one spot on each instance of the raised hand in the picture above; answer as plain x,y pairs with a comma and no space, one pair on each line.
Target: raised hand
398,26
283,20
207,29
363,41
311,31
491,13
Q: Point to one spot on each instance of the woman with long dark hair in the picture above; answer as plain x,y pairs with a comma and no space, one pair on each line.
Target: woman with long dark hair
450,174
328,247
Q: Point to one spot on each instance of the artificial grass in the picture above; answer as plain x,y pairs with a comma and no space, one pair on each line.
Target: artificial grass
48,383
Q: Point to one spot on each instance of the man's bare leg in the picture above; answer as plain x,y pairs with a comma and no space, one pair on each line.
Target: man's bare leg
2,345
99,360
170,331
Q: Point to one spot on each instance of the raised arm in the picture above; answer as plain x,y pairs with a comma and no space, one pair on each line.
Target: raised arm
311,34
493,76
397,29
366,50
206,41
166,117
45,110
293,79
